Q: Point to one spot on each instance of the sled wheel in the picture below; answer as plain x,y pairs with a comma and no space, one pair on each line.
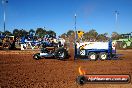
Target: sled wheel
92,56
103,56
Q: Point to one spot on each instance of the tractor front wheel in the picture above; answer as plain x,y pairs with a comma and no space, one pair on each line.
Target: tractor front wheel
36,56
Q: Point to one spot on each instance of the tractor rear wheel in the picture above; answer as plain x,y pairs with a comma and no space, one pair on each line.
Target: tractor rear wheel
61,53
92,56
6,46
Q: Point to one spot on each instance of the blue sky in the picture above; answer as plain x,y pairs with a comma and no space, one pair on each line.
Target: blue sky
58,15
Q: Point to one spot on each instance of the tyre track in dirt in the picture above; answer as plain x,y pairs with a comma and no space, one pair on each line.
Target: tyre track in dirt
18,69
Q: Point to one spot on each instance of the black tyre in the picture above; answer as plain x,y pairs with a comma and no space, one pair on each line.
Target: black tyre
36,56
13,46
61,54
6,46
81,80
92,56
103,56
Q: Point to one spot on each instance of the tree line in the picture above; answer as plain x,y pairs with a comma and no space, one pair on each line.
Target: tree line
91,35
70,34
40,32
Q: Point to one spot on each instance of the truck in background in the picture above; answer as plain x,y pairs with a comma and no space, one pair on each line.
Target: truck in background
7,42
124,42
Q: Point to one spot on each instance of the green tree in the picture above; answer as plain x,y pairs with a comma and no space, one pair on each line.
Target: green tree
16,32
64,36
23,32
7,33
91,35
115,35
70,32
41,32
51,33
31,32
102,37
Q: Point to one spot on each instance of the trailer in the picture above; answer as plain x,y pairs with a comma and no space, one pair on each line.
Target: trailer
95,50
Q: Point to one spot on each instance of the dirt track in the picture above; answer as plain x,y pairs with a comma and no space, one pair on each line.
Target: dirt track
18,69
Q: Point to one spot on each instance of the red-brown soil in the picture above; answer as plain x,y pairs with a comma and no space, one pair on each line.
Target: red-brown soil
18,69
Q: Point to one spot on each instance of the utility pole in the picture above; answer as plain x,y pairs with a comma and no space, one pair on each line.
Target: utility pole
116,20
4,14
75,53
75,27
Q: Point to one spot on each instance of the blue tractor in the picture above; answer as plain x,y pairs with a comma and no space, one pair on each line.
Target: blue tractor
52,48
